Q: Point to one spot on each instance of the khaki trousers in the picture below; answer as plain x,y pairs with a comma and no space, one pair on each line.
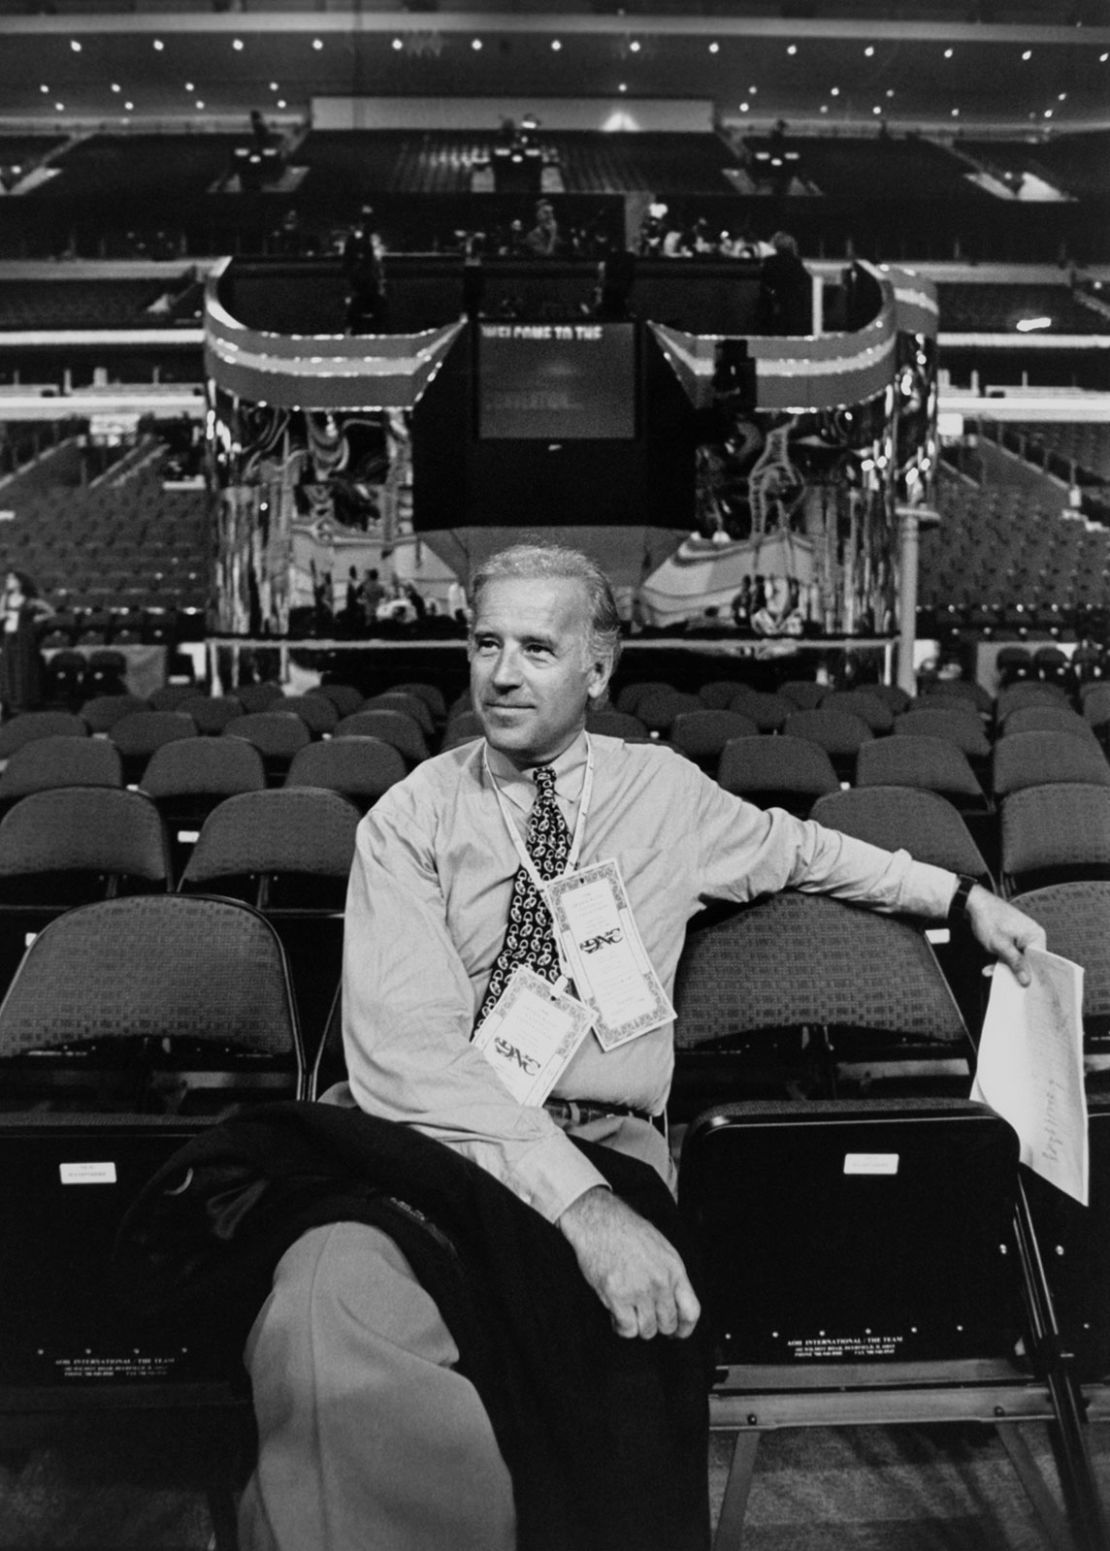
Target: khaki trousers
367,1437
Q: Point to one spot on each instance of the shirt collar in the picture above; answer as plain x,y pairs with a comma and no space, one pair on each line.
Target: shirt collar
519,786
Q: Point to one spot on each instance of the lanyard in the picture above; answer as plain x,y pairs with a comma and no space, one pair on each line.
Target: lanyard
579,826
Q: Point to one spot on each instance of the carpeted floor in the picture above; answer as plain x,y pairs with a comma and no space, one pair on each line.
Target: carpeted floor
816,1489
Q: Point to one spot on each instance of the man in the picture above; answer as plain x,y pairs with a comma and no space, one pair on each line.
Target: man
545,239
368,1437
786,289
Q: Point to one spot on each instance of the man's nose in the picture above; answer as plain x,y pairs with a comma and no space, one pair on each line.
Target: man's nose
506,668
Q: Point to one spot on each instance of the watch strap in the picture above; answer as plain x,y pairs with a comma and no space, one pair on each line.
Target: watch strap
957,910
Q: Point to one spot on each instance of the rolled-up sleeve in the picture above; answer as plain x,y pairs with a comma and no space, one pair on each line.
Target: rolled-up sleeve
408,1009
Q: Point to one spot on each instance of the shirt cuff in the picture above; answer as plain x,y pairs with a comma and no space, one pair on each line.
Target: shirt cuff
553,1174
927,891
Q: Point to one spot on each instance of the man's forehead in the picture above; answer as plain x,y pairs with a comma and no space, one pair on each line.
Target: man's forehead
556,602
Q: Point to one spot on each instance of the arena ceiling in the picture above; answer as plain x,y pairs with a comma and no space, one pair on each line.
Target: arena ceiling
909,64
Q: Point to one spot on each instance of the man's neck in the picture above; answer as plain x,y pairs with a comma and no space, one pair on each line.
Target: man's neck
509,766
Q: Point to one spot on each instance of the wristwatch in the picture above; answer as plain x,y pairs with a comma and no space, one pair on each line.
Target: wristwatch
957,910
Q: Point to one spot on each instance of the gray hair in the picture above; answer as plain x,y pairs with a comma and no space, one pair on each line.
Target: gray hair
555,562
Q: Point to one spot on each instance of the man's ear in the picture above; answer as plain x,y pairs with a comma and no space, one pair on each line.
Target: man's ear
601,671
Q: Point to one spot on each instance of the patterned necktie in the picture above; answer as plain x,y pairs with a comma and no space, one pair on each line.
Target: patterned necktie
530,939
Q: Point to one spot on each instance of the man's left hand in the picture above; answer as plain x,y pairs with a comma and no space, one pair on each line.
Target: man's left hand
1003,930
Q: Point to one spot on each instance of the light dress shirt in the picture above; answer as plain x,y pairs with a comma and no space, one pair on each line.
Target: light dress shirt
427,909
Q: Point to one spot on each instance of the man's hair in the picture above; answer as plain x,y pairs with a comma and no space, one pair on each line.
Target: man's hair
783,242
533,562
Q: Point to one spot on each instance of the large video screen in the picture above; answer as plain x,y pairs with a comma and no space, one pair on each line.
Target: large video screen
556,381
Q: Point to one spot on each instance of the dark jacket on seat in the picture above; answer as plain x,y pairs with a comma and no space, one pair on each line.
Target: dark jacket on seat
606,1438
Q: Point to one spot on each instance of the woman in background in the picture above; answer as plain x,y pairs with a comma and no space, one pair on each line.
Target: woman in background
22,671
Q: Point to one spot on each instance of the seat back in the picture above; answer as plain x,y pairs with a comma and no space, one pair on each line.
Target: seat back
1076,919
316,711
288,851
933,764
389,726
104,832
924,823
211,713
1046,758
963,728
702,735
60,760
781,771
1055,834
800,959
296,832
29,725
845,1235
156,983
103,711
858,702
361,769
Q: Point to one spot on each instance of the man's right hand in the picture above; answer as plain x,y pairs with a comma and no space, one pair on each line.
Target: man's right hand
637,1274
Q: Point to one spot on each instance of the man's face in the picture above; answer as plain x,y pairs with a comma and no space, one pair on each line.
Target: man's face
531,673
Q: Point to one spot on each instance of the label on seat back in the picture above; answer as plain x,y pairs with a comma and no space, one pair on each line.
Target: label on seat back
870,1163
87,1173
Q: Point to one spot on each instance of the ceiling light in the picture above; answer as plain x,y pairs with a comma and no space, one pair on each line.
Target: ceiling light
189,87
1028,54
792,48
890,91
834,91
74,45
158,45
317,44
475,44
824,107
398,45
1031,325
1048,113
869,51
281,102
743,107
1104,56
752,90
955,112
47,89
949,52
876,109
623,87
1063,97
237,45
274,86
714,48
200,104
59,107
555,45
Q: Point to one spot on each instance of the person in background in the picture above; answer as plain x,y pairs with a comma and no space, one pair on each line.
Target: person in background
786,290
22,671
545,239
373,596
364,270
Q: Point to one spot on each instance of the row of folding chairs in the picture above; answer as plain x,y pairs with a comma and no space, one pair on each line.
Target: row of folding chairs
287,851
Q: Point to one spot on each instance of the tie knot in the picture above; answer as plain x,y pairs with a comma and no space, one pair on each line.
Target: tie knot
544,777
